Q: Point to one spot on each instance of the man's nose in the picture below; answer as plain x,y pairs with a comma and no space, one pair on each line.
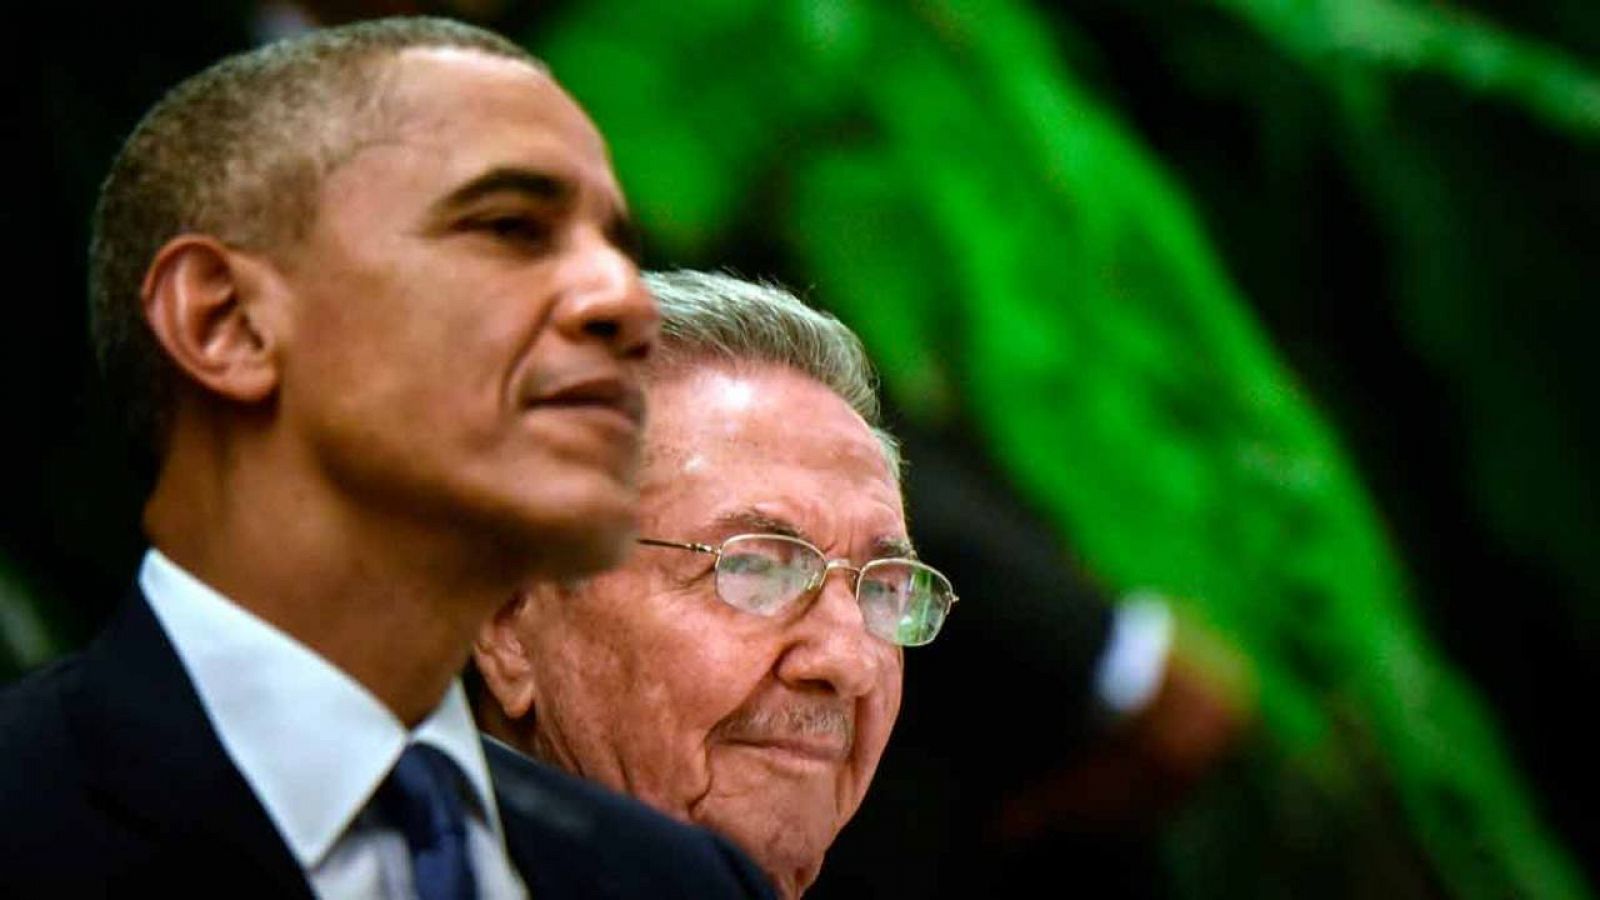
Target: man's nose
831,646
606,301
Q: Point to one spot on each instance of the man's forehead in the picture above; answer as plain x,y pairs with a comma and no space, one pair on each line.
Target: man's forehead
472,56
767,451
430,61
426,87
757,413
455,123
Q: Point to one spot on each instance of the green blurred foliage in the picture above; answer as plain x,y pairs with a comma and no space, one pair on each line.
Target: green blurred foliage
1462,244
25,641
1366,39
1017,259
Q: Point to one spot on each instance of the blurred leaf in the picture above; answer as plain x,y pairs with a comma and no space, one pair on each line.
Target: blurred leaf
1403,38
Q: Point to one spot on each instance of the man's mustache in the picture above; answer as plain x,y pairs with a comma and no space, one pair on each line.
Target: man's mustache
791,720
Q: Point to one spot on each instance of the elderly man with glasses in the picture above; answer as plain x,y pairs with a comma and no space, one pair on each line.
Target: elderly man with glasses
743,669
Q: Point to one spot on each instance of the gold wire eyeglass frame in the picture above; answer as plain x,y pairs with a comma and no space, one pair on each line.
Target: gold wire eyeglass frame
829,565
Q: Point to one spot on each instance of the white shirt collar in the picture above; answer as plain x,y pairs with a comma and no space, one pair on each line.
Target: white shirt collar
311,741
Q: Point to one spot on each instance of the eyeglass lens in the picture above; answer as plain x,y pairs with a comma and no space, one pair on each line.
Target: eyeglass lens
901,601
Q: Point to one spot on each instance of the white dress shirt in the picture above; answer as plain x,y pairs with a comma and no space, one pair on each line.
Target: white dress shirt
314,745
1130,671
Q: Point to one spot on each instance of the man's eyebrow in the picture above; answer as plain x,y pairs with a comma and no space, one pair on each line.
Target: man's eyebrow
534,185
893,548
542,188
751,521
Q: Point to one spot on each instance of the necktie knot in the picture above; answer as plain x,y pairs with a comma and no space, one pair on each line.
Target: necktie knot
422,797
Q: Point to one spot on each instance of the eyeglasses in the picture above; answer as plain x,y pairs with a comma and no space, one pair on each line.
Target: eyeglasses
902,601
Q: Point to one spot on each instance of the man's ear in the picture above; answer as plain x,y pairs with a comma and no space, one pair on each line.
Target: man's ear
502,658
206,304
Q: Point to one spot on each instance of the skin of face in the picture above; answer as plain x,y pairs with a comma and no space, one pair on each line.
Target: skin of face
765,729
463,322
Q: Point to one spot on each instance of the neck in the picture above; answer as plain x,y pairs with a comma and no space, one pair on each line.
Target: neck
393,603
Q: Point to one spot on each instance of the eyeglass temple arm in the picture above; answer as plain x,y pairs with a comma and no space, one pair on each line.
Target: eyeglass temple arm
680,545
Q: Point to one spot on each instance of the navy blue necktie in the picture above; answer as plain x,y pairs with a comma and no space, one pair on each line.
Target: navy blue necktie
422,797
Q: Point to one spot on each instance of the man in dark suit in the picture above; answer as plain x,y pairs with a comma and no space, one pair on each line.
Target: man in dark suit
367,294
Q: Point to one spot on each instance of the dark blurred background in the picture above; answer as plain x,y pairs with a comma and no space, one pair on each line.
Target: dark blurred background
1284,310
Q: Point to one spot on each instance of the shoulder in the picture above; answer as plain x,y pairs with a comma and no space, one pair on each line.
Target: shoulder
43,780
35,738
47,733
565,832
115,784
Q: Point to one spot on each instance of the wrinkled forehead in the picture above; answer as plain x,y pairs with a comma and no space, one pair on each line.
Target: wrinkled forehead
722,439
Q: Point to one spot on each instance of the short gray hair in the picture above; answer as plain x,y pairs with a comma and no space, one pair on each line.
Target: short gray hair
237,152
708,317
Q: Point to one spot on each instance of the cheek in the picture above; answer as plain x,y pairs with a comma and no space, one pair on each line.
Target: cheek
878,713
697,672
629,698
419,321
368,356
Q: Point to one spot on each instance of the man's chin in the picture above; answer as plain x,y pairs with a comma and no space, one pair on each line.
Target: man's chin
789,878
790,858
587,540
790,873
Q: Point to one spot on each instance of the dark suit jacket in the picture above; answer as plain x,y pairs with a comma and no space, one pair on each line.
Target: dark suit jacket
112,783
572,838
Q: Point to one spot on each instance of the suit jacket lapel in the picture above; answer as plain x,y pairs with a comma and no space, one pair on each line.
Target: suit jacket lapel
553,841
157,764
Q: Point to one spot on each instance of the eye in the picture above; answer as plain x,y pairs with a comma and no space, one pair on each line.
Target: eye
625,236
523,230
